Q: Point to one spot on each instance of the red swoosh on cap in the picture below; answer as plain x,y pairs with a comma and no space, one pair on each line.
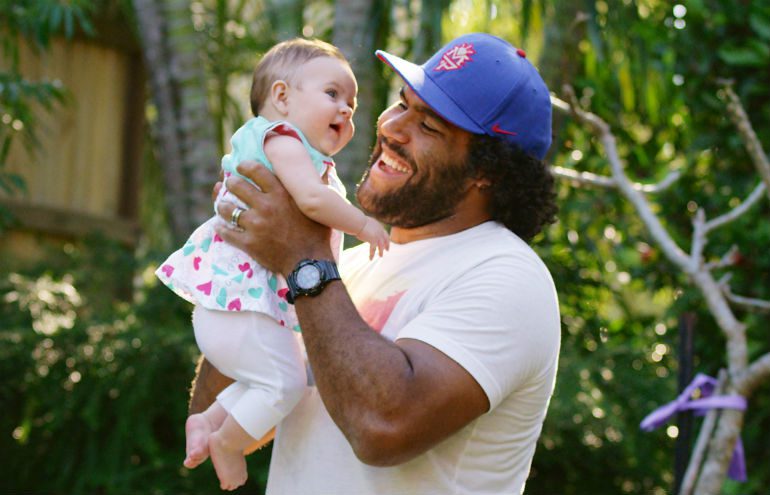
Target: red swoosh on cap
496,128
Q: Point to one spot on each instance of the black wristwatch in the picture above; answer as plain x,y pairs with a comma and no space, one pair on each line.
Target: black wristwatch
310,277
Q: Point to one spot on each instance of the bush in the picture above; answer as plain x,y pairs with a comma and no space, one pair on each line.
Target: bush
96,359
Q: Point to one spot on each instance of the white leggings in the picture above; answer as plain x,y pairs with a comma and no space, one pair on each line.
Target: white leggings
262,357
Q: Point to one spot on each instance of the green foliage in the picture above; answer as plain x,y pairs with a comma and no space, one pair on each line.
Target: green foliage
652,72
39,20
96,360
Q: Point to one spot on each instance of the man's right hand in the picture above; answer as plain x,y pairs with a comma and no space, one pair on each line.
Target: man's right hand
273,230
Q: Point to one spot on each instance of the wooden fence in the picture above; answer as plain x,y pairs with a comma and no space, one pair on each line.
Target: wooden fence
85,175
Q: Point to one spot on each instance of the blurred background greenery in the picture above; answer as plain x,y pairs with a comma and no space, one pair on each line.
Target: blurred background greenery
96,358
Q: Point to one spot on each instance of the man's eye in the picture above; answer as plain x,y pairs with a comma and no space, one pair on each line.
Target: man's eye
427,127
402,105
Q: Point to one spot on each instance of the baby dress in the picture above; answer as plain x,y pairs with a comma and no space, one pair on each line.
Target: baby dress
210,272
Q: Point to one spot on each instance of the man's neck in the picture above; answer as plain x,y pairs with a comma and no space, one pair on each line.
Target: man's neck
469,213
404,236
471,210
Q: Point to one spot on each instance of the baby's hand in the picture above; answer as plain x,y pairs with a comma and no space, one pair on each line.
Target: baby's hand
375,235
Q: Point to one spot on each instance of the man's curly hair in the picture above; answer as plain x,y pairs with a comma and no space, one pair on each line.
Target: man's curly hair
522,188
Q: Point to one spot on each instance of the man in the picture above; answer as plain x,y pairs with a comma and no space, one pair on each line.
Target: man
433,365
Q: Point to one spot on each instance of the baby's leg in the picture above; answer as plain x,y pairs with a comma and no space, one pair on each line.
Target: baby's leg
265,360
197,430
226,446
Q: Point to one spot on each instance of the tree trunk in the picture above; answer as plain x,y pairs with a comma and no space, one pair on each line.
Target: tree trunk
428,38
286,18
720,450
359,26
559,61
184,131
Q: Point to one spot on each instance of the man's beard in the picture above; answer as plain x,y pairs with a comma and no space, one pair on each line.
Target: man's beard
432,197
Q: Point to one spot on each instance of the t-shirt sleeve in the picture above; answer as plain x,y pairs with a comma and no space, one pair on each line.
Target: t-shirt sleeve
284,129
499,321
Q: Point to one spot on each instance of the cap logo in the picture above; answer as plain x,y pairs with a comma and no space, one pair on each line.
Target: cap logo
456,57
496,128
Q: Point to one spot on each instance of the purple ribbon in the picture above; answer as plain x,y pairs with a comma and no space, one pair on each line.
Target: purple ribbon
701,405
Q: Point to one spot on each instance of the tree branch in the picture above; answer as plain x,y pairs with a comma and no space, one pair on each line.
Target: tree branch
756,373
701,443
698,238
595,180
584,178
745,129
739,210
752,303
600,128
727,260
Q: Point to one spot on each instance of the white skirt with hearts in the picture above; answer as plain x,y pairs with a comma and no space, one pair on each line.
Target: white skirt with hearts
215,275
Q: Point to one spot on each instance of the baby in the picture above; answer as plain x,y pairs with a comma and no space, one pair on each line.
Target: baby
303,96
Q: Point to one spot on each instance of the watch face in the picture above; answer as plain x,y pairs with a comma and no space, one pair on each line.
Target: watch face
308,277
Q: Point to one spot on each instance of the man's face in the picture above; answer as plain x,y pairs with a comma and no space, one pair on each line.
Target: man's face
418,171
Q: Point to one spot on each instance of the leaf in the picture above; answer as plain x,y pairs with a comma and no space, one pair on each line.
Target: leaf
85,23
4,184
69,25
56,14
756,54
19,182
5,149
627,92
760,25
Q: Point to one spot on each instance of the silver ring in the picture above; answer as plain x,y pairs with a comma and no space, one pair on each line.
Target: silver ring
235,216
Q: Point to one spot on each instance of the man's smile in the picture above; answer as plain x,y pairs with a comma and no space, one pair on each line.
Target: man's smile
389,165
392,163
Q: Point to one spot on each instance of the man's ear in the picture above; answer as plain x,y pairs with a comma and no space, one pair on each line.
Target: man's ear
482,183
279,96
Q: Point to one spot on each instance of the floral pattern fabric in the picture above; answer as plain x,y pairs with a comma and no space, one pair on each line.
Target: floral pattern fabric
209,272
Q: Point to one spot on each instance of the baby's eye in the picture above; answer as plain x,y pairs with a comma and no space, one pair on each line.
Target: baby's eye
332,92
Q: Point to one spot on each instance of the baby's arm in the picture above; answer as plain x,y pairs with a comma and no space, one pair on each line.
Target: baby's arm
293,166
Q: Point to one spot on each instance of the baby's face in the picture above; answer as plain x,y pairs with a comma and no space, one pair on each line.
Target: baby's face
322,102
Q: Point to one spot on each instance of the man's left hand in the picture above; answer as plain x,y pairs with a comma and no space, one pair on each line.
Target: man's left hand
272,230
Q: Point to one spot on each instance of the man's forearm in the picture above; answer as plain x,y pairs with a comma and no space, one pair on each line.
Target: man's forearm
363,378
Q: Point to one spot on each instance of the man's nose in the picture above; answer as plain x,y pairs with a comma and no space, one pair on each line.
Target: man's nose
393,126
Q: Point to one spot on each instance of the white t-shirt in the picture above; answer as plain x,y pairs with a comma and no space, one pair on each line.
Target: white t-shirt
486,300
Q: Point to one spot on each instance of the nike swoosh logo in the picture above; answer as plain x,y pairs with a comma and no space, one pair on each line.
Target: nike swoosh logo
496,128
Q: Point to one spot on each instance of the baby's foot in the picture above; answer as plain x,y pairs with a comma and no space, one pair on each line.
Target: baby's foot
197,429
229,464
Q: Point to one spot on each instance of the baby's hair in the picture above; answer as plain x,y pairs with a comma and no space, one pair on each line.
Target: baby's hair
282,61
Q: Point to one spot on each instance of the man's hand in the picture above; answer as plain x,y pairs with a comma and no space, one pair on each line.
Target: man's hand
273,230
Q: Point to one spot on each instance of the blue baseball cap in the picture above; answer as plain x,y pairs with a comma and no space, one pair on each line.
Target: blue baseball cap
482,84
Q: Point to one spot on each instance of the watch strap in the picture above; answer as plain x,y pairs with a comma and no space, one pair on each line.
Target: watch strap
327,271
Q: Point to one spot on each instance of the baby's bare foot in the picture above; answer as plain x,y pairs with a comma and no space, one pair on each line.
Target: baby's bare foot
229,463
197,429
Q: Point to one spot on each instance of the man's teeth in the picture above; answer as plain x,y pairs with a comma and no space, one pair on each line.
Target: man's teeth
387,160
